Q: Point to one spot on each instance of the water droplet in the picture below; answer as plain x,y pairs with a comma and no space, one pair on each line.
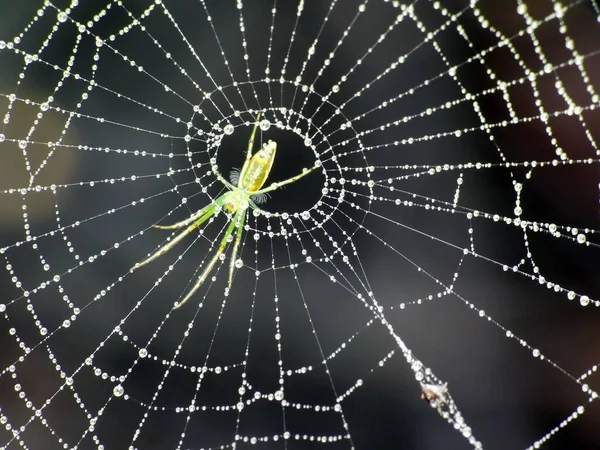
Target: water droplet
118,391
239,263
62,16
228,129
143,352
44,106
265,124
2,307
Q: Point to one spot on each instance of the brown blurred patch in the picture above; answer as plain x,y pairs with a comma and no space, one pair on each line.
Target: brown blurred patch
54,164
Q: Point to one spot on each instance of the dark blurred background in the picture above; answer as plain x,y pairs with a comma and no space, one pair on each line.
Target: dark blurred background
509,397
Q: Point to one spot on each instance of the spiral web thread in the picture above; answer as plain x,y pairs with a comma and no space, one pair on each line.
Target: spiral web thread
309,80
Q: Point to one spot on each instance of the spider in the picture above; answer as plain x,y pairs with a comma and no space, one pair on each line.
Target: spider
245,190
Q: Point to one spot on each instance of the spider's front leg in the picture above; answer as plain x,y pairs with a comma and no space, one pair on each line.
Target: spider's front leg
198,219
238,238
185,222
213,261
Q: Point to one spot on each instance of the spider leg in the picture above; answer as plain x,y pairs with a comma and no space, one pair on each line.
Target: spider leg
208,212
238,238
278,184
185,222
212,262
249,151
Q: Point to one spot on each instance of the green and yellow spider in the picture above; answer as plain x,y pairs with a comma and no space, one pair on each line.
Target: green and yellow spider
246,185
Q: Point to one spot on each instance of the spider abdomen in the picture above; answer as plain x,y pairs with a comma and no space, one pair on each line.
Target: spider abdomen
259,166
